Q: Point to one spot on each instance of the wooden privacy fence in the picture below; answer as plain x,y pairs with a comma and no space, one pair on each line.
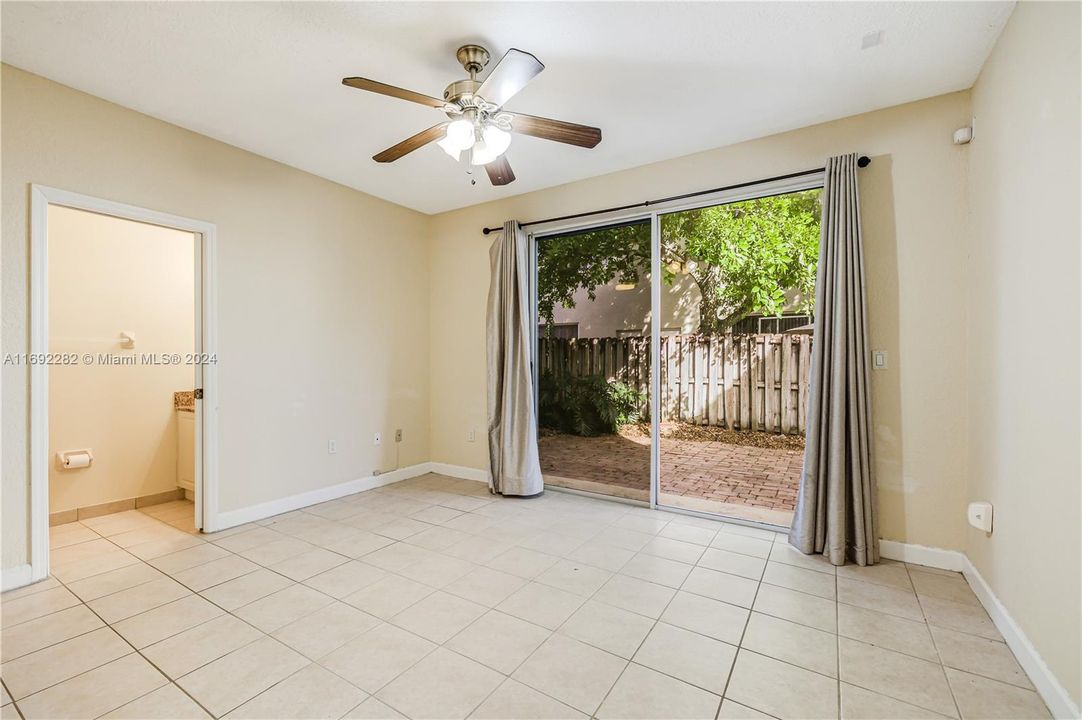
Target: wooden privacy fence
739,382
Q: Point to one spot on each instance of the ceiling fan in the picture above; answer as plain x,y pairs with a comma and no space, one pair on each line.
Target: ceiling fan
477,123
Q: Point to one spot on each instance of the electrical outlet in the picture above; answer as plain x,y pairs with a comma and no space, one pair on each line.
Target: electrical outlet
377,439
332,447
398,435
471,435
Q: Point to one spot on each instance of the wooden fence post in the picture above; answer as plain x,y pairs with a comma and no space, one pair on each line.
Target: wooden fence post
739,382
769,394
786,383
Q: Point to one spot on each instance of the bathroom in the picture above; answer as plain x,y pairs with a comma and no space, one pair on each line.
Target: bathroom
121,372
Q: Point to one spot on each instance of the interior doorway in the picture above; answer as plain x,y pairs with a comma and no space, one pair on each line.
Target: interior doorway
122,363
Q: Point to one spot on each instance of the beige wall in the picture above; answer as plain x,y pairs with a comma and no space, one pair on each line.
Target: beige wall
108,276
322,294
915,229
615,312
1023,338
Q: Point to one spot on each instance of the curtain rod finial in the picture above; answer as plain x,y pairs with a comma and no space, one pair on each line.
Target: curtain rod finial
864,161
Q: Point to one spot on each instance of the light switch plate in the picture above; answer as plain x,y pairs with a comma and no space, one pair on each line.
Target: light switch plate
879,360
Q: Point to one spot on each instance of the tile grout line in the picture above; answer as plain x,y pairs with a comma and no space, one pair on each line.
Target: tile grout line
15,705
768,560
508,676
939,656
652,627
191,592
838,641
740,644
438,589
229,613
656,621
628,661
169,680
359,559
564,557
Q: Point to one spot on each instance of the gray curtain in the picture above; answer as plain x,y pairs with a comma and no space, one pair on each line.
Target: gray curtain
512,424
836,508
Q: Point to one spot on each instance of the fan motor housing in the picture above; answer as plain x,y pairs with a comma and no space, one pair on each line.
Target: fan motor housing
461,90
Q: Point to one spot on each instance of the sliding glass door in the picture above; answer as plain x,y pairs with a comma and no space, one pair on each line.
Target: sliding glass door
739,280
593,359
673,354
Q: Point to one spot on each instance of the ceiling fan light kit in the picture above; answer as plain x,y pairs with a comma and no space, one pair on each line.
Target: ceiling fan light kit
477,122
458,138
493,143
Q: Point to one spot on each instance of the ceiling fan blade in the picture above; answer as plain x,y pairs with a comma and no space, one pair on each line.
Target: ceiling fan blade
514,70
500,172
396,92
558,130
410,144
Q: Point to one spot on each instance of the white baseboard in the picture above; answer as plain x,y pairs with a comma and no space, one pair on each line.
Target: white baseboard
262,511
922,555
1048,686
232,518
459,471
15,577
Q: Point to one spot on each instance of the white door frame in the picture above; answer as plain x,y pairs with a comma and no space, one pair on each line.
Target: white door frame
206,415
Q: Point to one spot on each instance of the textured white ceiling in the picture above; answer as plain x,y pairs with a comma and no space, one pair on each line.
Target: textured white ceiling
660,79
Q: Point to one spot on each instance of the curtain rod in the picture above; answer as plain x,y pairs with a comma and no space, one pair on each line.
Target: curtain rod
862,161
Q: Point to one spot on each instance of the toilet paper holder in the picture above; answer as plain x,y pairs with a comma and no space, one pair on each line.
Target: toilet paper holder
72,459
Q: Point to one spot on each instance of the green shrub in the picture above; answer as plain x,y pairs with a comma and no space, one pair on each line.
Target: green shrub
588,405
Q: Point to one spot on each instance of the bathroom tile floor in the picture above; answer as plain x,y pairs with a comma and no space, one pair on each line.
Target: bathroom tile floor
178,513
432,599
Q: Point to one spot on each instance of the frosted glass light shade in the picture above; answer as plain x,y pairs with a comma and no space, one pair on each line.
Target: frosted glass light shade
481,154
450,148
497,139
460,134
494,142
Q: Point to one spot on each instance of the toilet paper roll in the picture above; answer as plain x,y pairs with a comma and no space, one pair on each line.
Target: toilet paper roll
77,460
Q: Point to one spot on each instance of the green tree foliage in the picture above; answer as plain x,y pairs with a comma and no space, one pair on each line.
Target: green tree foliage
566,263
744,257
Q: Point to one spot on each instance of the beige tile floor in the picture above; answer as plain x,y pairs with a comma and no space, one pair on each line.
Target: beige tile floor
432,599
179,513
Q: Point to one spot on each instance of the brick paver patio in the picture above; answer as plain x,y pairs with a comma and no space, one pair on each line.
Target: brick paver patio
705,472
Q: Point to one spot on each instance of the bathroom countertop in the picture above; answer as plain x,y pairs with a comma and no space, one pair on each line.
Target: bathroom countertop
184,401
